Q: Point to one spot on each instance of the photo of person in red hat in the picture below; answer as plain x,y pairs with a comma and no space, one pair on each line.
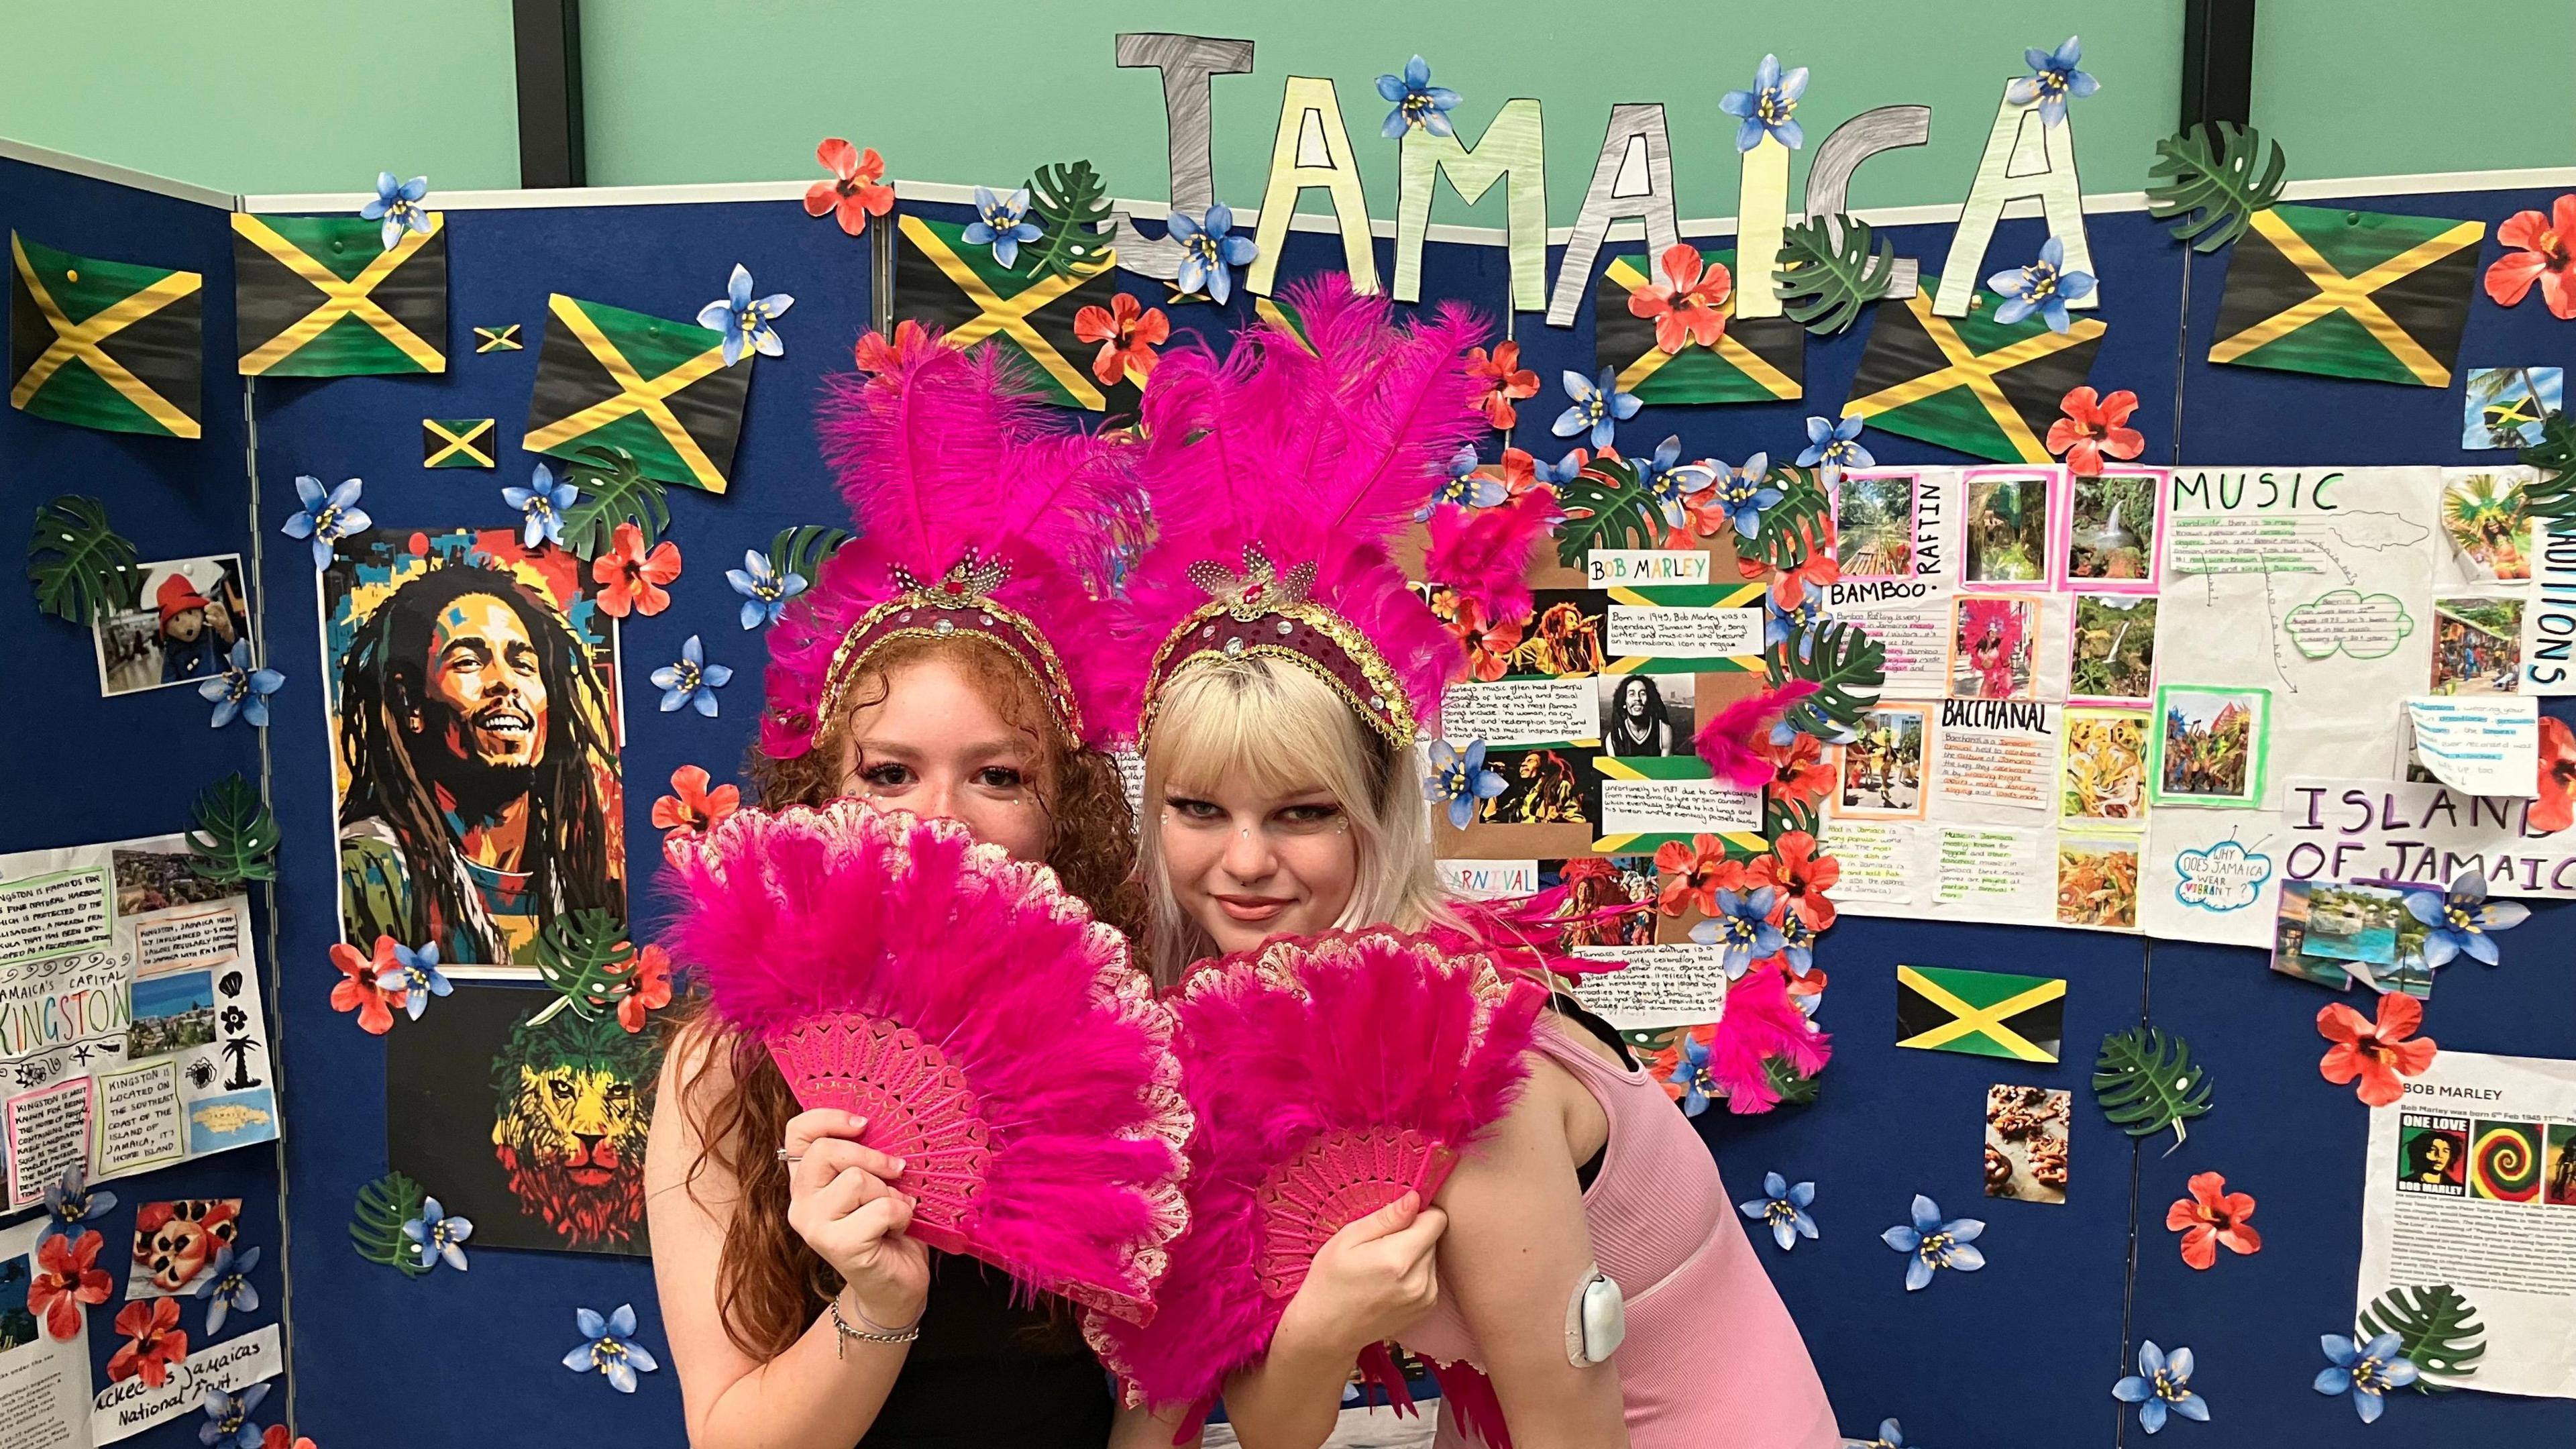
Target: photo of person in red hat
188,615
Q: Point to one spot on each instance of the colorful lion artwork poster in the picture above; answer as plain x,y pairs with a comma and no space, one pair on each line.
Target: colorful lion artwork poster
471,689
525,1117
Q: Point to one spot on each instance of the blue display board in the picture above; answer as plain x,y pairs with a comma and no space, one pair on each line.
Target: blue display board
91,769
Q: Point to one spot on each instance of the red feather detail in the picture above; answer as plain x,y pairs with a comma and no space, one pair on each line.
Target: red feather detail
1471,1403
1726,742
1341,1039
1484,553
984,1018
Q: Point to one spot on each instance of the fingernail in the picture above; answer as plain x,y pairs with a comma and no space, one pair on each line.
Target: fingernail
857,1121
898,1167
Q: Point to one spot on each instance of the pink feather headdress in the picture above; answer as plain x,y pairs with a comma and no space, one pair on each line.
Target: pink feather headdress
1279,475
994,1035
1329,1076
978,516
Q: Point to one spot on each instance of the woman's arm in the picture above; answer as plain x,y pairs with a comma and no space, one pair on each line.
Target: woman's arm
1373,1280
818,1394
1516,1249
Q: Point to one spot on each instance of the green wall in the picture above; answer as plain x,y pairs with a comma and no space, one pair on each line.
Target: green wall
318,95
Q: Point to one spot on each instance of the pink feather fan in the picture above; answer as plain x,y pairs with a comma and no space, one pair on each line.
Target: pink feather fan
1329,1076
994,1035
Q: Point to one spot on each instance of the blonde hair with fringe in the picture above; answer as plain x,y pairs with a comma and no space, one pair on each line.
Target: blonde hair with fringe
1277,727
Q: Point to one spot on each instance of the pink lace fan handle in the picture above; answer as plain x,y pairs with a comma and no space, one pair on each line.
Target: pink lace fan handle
1338,1179
917,1105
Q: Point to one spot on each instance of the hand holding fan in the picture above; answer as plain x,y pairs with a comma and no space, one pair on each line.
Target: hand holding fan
1329,1077
993,1034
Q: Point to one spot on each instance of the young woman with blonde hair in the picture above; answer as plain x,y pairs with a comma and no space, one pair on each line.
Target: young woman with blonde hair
939,666
1291,668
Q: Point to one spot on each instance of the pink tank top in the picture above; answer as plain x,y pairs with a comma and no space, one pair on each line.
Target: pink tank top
1711,1356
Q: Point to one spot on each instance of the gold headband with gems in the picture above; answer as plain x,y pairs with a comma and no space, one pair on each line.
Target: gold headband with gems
1259,613
959,602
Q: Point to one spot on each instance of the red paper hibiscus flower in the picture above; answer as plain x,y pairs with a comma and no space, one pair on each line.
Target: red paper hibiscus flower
357,989
1489,645
1688,304
2094,429
1694,874
1128,332
2210,1216
2546,254
1505,382
652,970
2379,1053
692,806
874,354
154,1341
1800,875
2556,807
632,580
274,1437
855,191
1800,774
67,1276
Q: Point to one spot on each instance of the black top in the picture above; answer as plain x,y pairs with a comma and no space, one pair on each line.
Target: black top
1567,1007
988,1372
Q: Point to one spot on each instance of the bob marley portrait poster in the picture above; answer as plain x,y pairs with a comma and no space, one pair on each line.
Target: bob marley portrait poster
525,1117
471,685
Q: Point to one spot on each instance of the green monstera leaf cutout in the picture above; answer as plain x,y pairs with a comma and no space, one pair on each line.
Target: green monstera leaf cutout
2219,176
2146,1082
2437,1330
1605,507
1828,272
384,1205
1072,204
2553,493
1847,667
614,490
81,567
236,835
801,550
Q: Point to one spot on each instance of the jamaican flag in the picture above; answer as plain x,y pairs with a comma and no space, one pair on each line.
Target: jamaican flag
1981,1013
320,296
1761,359
1966,383
942,281
456,442
660,390
104,344
2349,294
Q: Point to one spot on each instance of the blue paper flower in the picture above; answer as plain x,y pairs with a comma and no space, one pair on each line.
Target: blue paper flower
1209,251
398,206
416,975
2044,287
439,1236
2053,77
1464,487
2463,920
1742,925
1745,492
1690,1073
1933,1244
2369,1371
228,1414
1800,620
326,518
745,322
692,680
71,1201
1766,109
1891,1435
1785,1208
226,1287
1599,408
241,691
1670,484
1417,101
1797,944
1834,447
1460,779
765,591
611,1348
1001,223
542,505
2162,1385
1561,472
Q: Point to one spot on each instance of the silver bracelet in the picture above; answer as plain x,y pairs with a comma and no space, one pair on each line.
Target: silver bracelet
844,1332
